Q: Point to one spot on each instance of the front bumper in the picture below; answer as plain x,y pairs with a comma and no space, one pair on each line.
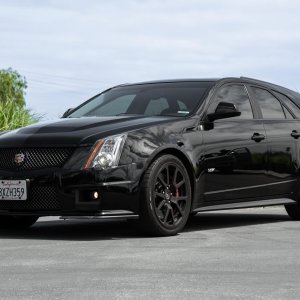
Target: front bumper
67,192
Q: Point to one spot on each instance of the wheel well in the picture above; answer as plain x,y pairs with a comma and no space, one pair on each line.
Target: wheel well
183,158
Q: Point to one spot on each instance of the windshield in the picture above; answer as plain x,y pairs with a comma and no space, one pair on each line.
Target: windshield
159,99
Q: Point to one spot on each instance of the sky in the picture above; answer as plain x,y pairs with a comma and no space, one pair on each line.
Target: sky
71,50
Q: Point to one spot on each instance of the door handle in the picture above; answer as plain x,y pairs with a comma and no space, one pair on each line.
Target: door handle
257,137
295,134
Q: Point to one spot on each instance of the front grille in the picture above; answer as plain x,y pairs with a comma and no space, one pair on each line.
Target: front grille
33,158
41,197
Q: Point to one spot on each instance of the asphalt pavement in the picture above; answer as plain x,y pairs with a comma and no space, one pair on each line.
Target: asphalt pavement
241,254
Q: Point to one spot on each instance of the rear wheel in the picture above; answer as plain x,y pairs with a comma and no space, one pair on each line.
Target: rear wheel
17,222
166,197
293,211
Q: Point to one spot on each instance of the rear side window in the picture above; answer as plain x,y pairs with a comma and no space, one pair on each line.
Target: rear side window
289,104
269,105
237,95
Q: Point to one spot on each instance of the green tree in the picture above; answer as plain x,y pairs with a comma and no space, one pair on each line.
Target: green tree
13,111
12,87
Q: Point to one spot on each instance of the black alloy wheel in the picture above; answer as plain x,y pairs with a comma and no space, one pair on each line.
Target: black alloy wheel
166,197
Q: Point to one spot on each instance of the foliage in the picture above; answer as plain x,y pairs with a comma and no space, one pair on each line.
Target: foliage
13,116
13,113
12,87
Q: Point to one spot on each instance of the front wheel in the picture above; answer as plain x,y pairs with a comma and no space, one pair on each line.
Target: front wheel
17,222
166,197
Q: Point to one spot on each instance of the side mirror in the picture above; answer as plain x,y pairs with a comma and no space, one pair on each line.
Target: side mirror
224,110
67,112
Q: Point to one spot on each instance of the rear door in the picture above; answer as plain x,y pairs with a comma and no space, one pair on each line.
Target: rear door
235,149
282,150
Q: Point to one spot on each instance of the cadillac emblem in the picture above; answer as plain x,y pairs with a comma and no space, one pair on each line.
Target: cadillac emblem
19,159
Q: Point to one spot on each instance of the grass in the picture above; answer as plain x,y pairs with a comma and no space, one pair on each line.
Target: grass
13,116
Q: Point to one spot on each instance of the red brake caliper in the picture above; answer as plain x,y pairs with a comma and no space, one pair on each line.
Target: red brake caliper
177,194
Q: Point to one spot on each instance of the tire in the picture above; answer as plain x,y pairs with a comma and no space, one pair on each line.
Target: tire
17,222
293,211
165,199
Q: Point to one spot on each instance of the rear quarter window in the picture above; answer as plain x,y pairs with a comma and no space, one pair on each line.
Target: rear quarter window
289,104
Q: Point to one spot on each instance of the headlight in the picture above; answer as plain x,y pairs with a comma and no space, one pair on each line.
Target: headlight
106,152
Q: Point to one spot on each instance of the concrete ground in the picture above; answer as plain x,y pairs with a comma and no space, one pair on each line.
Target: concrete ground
241,254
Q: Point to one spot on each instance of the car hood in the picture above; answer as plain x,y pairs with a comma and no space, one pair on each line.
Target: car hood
76,131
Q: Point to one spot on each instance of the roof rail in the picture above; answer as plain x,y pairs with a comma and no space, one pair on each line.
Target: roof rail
249,78
269,83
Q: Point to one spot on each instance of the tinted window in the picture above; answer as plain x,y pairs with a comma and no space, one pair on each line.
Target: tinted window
157,107
287,113
237,95
182,106
289,103
173,99
270,106
117,106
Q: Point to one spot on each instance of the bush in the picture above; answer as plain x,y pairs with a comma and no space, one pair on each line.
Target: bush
12,86
13,116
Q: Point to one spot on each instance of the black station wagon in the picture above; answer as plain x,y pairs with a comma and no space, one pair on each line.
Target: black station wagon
157,152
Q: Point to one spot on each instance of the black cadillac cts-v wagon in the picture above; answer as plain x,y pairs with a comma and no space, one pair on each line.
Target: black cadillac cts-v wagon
158,152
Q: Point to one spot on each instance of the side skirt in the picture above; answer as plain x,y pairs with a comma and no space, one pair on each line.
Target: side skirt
269,202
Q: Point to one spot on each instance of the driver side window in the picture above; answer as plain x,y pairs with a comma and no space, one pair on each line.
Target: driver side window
237,95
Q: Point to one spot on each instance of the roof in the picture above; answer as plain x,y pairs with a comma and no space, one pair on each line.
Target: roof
244,79
173,80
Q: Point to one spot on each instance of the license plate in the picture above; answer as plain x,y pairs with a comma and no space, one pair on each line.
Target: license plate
13,190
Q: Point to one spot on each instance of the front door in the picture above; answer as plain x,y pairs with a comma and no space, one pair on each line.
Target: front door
235,150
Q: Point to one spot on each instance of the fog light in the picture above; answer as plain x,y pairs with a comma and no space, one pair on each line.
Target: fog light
95,195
